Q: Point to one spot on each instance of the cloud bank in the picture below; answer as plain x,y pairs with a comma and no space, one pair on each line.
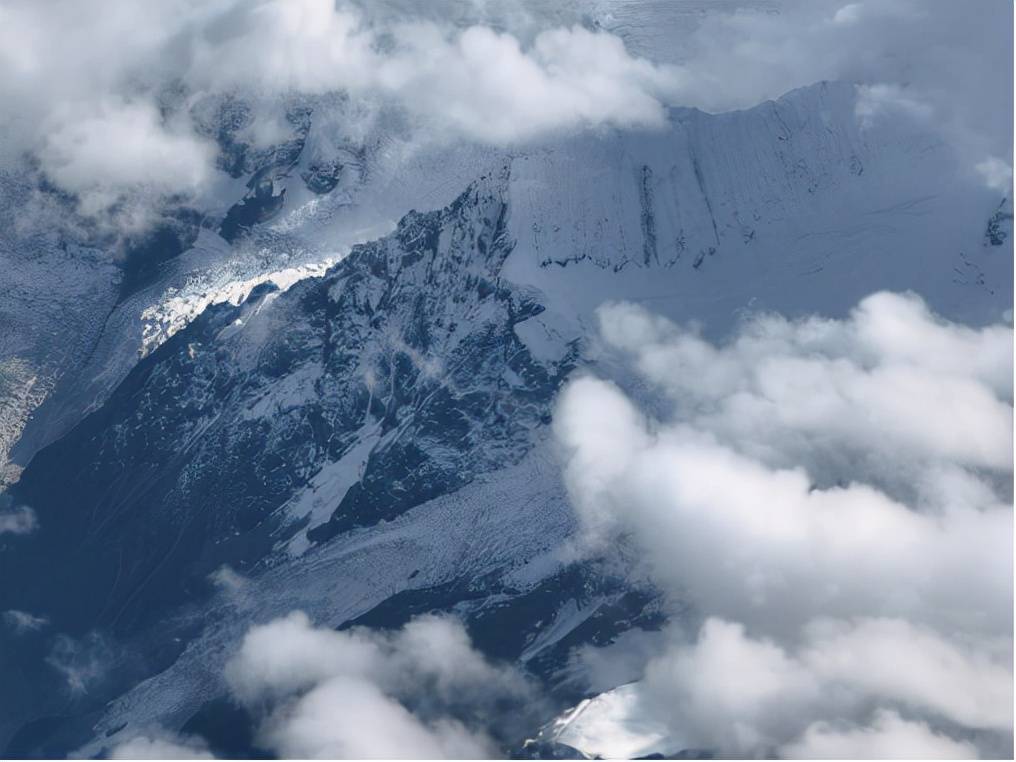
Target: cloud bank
101,94
422,692
105,96
834,497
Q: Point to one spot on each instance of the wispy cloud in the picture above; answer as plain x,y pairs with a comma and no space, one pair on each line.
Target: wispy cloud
83,662
22,621
945,62
18,520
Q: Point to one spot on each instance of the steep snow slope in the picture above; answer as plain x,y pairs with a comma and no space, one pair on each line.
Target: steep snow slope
372,442
796,205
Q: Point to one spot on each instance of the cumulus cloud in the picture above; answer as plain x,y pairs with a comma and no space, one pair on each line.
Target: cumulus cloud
834,498
120,147
878,100
82,94
421,692
102,94
289,655
484,83
997,173
475,80
346,718
749,695
161,745
18,520
888,737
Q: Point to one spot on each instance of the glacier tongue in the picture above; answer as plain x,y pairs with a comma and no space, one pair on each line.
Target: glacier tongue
179,306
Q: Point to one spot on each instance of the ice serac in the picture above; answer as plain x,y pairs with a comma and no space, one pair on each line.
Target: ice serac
373,442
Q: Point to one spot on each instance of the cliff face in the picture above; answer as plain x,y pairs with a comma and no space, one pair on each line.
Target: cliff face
798,205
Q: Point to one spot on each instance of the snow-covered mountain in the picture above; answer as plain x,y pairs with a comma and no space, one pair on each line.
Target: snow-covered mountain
371,440
80,316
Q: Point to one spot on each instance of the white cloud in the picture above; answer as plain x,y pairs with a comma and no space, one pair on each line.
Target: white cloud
473,81
123,147
100,92
889,737
878,99
18,520
161,746
884,382
234,588
748,695
966,681
484,84
835,495
289,655
348,718
419,692
728,691
81,94
997,173
851,13
228,580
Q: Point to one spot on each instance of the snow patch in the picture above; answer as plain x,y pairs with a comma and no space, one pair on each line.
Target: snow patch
612,726
326,490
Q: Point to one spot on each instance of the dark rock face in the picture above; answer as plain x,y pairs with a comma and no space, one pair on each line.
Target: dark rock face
999,226
186,466
145,254
429,325
506,623
259,205
322,177
226,119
